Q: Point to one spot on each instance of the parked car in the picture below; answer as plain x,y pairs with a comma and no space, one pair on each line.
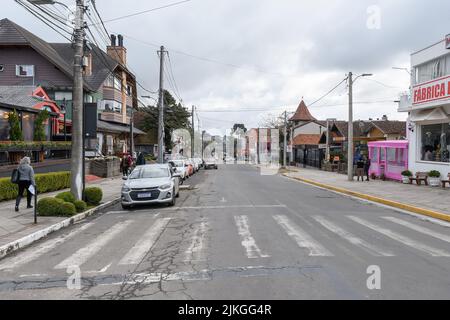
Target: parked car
190,168
150,184
196,164
211,163
181,170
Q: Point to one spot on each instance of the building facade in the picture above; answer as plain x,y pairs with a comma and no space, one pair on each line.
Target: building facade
428,107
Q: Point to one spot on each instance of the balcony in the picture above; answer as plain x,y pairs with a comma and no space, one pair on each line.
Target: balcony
112,116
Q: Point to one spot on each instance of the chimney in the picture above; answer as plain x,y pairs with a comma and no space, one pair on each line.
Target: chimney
385,118
117,52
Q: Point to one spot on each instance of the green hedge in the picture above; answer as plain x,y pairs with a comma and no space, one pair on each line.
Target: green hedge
66,197
50,207
80,205
93,195
48,182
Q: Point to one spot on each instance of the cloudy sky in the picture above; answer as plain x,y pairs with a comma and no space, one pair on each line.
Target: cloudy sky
266,55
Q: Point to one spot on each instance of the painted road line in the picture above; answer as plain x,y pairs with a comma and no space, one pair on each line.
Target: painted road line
373,250
248,242
82,255
145,244
228,207
196,249
303,239
34,253
405,240
420,229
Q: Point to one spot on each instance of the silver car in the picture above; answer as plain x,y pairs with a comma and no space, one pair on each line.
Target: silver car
150,184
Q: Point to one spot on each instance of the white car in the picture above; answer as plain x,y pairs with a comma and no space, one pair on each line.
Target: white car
196,164
211,163
150,184
181,170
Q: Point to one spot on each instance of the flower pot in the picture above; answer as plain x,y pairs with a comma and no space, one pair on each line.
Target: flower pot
435,182
405,179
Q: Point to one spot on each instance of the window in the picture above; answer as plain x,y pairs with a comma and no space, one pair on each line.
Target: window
4,124
25,70
129,90
109,82
432,70
112,106
435,143
28,126
117,83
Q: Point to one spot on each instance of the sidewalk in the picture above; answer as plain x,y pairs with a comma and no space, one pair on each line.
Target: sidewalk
419,199
17,225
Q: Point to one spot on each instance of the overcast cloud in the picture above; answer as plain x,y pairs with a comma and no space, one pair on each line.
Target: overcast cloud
300,49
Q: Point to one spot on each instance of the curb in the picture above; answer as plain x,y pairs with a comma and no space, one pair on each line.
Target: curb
38,235
390,203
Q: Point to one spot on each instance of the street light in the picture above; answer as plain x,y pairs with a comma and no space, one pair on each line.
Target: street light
42,2
350,123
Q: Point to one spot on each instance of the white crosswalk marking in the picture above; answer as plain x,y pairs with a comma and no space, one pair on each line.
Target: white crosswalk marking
35,252
141,248
303,239
405,240
82,255
248,242
420,229
352,238
195,250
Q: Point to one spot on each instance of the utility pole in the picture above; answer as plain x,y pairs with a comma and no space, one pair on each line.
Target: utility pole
161,133
285,140
78,112
193,134
350,127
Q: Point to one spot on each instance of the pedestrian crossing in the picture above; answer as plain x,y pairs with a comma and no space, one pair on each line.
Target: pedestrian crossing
383,236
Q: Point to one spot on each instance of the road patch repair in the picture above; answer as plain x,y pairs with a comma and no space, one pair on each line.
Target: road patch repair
386,202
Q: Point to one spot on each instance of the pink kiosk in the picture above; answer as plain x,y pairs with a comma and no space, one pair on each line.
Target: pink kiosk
389,157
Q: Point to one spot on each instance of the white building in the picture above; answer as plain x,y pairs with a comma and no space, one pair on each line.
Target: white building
428,106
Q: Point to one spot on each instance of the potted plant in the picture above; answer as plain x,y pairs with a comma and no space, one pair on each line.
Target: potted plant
435,178
406,175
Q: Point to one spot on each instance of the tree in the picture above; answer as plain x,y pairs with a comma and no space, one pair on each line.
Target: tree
15,133
175,117
239,126
39,126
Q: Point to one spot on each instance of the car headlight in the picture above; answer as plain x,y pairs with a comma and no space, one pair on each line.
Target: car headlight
166,186
126,189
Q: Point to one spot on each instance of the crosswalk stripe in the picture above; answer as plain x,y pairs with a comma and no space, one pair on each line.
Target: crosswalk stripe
34,253
195,250
82,255
352,238
420,229
405,240
248,242
141,248
303,239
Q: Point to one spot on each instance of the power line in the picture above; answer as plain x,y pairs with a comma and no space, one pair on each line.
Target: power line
328,93
382,84
146,11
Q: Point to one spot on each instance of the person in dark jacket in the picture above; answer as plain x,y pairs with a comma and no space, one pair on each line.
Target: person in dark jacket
140,160
367,165
26,179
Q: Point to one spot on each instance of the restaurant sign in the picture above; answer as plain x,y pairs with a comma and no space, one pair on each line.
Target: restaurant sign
432,93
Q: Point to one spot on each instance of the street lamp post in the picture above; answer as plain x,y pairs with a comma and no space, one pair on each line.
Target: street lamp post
350,124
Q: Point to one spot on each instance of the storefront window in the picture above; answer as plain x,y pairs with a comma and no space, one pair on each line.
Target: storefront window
4,124
436,143
374,155
28,126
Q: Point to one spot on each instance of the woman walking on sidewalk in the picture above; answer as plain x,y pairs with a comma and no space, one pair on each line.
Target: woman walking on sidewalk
26,179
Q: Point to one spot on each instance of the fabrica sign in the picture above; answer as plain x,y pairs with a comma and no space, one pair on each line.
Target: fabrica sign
431,93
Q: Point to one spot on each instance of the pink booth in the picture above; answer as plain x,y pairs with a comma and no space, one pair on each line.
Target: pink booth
389,157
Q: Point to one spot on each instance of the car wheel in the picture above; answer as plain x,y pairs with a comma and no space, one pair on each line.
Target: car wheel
174,199
124,207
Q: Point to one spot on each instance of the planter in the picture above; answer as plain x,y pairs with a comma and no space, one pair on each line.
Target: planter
405,179
105,168
435,182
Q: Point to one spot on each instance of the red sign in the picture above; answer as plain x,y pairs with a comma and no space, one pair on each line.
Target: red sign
432,91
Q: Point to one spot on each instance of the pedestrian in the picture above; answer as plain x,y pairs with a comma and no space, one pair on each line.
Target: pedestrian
367,165
140,160
360,169
26,179
130,163
125,166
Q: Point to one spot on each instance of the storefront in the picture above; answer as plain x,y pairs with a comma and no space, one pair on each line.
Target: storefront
428,106
388,158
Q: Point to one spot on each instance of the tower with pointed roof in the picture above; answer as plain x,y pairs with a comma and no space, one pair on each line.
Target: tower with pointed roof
302,115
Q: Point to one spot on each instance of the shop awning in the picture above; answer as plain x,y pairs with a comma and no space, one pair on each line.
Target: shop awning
435,114
117,128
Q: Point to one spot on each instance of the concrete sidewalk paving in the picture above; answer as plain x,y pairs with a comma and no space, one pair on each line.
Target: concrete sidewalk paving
18,225
424,200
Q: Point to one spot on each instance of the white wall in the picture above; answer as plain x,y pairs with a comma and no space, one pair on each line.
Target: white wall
310,128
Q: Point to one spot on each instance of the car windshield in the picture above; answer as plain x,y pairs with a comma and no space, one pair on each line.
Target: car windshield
178,164
149,172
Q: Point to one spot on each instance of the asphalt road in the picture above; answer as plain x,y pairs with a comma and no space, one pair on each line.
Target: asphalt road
240,235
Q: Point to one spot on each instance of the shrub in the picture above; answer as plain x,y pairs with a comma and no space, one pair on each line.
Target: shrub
39,127
66,197
80,206
15,133
49,207
407,173
67,209
48,182
434,174
93,196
